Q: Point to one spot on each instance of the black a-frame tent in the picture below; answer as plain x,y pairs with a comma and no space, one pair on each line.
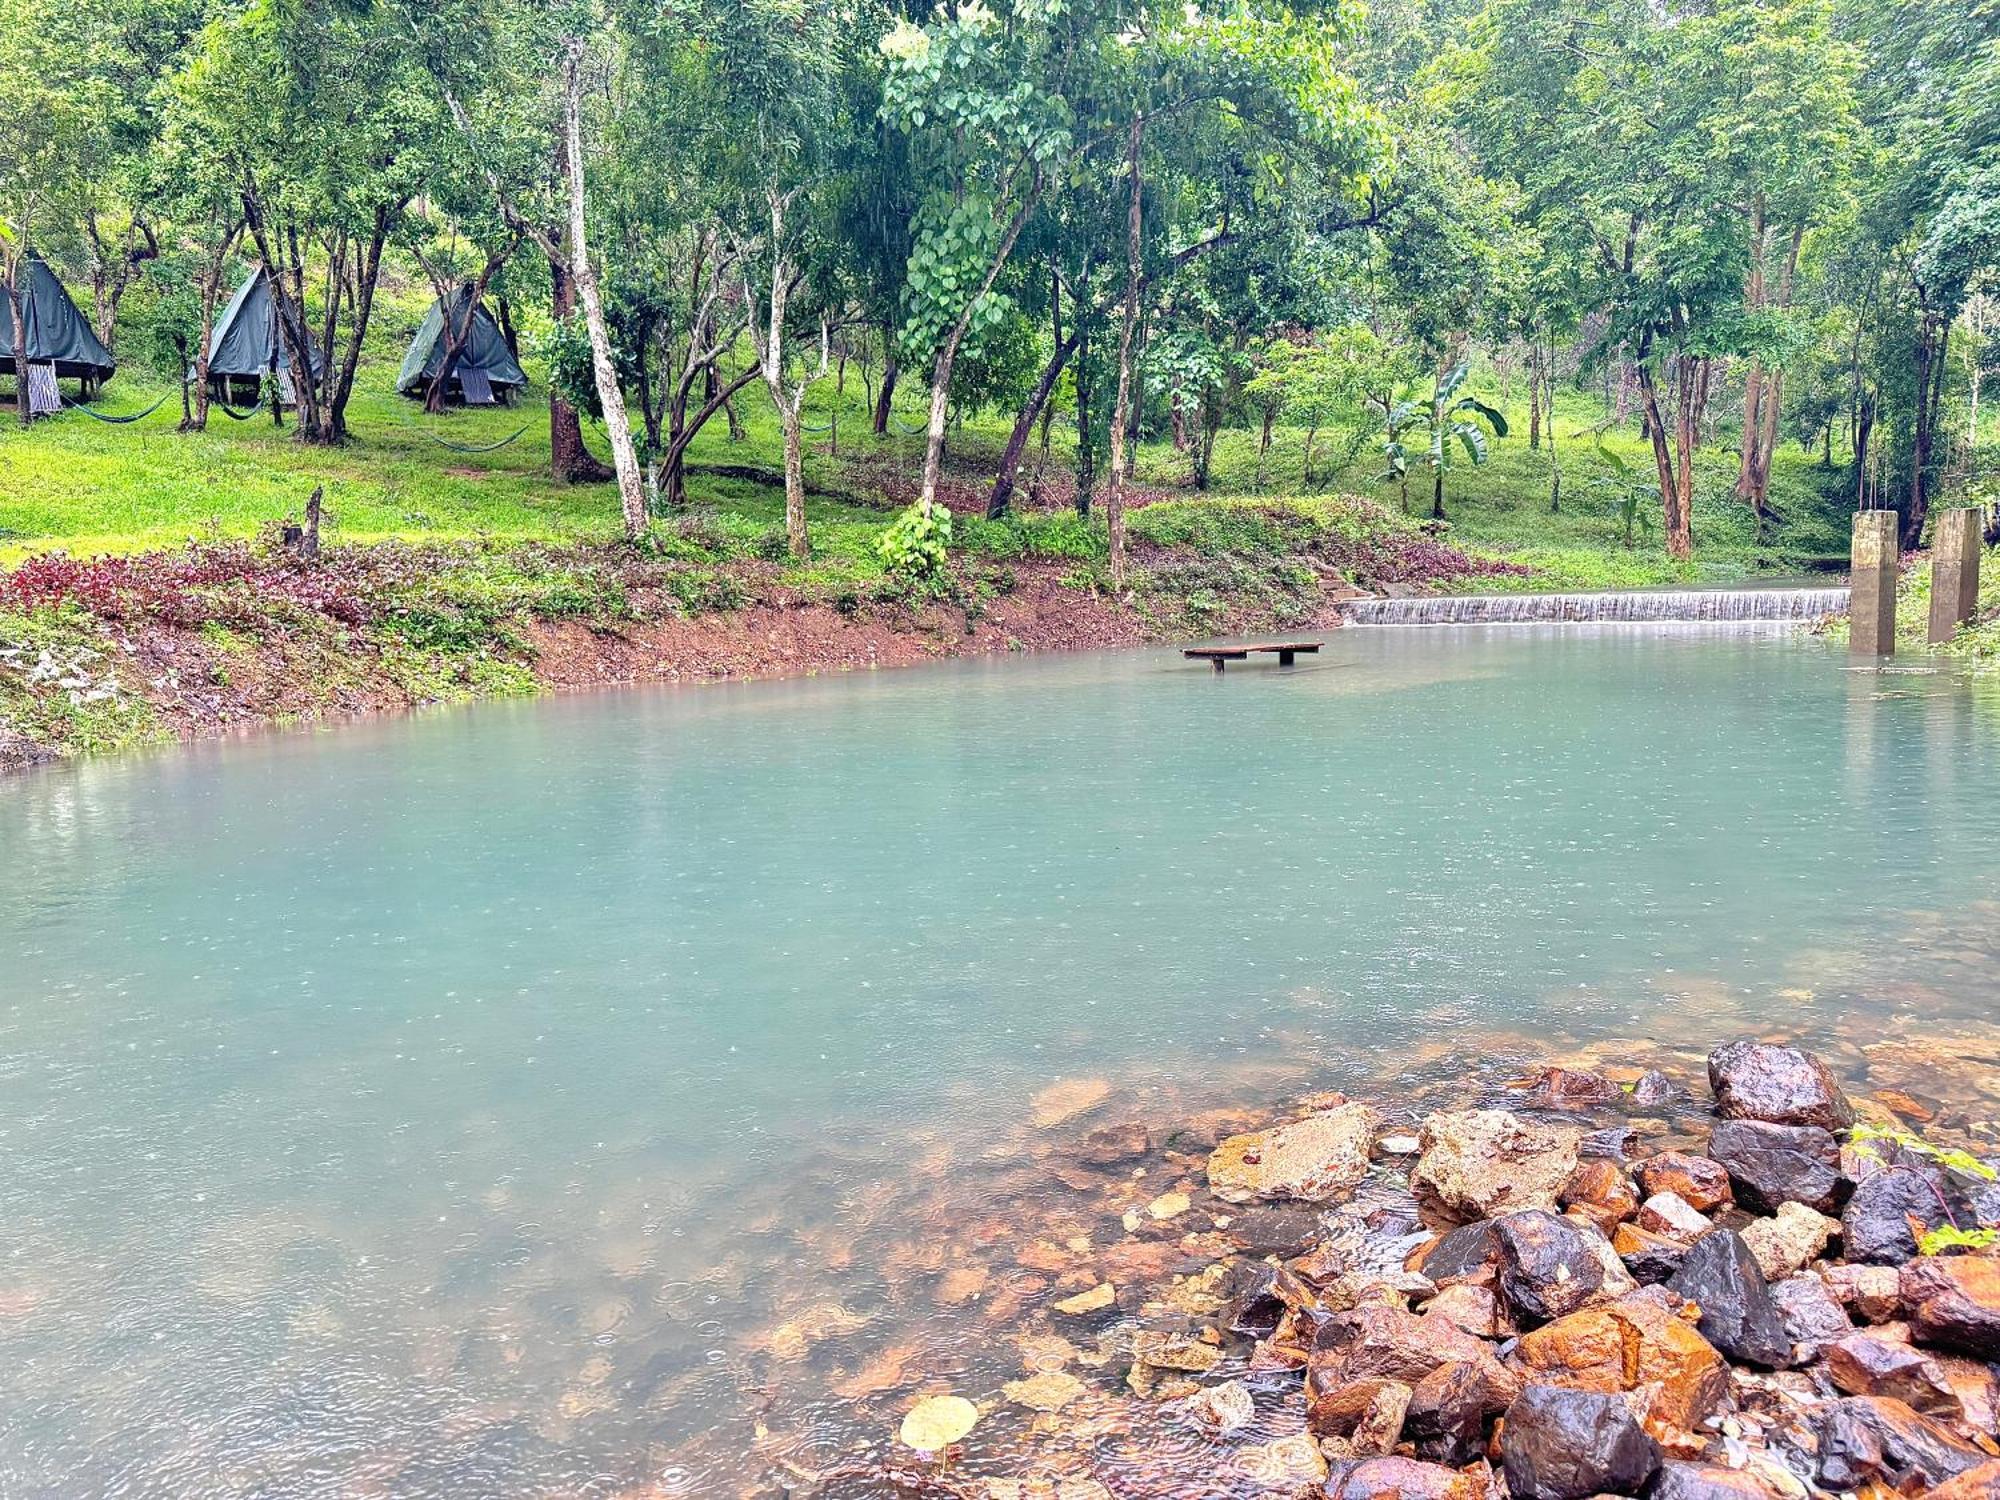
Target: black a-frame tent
57,334
484,368
245,347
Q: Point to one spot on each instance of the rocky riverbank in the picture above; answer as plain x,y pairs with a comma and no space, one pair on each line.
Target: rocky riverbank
1630,1281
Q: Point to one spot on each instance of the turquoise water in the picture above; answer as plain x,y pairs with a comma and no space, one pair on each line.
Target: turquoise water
454,1106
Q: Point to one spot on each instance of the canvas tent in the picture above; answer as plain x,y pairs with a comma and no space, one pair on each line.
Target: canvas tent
58,334
484,367
245,347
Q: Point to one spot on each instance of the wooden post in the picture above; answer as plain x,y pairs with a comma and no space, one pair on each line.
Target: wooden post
1872,606
1955,548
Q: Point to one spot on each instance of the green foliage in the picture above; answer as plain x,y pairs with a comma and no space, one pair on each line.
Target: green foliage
916,547
60,686
1948,1237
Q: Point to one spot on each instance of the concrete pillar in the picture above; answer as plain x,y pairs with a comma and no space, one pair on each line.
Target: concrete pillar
1955,548
1872,611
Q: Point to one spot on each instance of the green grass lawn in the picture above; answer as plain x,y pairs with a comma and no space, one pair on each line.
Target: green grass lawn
91,488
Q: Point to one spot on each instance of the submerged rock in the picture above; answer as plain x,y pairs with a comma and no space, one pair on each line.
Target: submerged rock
1311,1159
1477,1163
1403,1478
1568,1445
1565,1088
1773,1164
1065,1099
1778,1085
1720,1275
1955,1301
1221,1408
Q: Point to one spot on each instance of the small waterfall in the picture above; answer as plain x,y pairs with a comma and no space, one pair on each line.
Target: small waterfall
1646,607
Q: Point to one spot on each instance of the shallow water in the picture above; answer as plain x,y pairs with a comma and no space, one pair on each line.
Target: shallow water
589,1095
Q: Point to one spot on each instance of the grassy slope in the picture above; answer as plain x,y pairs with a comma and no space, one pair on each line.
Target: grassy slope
90,488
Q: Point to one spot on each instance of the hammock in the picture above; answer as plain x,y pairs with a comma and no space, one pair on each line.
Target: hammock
97,416
241,416
479,447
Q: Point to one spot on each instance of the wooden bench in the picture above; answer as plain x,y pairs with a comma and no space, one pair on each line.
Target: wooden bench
1220,656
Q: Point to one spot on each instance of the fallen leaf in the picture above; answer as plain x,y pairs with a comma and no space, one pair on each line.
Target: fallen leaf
936,1422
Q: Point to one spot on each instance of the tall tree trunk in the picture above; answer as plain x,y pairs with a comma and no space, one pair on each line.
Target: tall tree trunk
1086,449
1679,544
631,491
211,293
23,411
1024,426
1121,411
1534,398
1753,384
879,419
569,461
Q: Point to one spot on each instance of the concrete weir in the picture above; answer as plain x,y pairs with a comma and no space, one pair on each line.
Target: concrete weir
1666,606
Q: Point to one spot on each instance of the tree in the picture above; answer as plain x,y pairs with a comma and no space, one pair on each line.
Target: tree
1450,421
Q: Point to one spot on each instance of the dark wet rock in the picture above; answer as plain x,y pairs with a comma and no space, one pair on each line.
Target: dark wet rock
1700,1181
1275,1229
1778,1085
1875,1225
1448,1411
1640,1343
1477,1163
1812,1316
1365,1415
1721,1276
1565,1088
1864,1364
1568,1445
1690,1481
1254,1303
1654,1087
1601,1192
1466,1253
1548,1266
1773,1164
1955,1301
1874,1294
1651,1258
1403,1478
1878,1437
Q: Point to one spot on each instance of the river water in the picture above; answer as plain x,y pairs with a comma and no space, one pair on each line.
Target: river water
596,1096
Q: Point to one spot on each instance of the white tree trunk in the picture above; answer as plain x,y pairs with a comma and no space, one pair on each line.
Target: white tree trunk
617,426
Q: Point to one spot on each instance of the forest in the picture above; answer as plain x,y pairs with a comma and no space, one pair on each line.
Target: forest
1401,236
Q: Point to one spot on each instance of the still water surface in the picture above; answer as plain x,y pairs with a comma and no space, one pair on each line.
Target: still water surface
453,1106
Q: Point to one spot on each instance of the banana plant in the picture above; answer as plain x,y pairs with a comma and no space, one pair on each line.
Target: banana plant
1629,494
1449,421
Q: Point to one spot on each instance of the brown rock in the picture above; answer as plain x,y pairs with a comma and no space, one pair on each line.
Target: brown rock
1874,1294
1691,1481
1482,1162
1173,1351
1399,1479
1385,1342
1791,1241
1880,1438
1650,1257
1471,1252
1701,1182
1449,1408
1672,1217
1982,1483
1778,1085
1366,1416
1865,1365
1564,1088
1637,1341
1955,1301
1600,1191
1476,1309
1313,1159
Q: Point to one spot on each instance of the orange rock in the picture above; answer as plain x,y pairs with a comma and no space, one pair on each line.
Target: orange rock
1621,1346
1699,1180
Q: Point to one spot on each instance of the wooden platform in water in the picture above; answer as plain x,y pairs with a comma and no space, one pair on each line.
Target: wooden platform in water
1220,656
